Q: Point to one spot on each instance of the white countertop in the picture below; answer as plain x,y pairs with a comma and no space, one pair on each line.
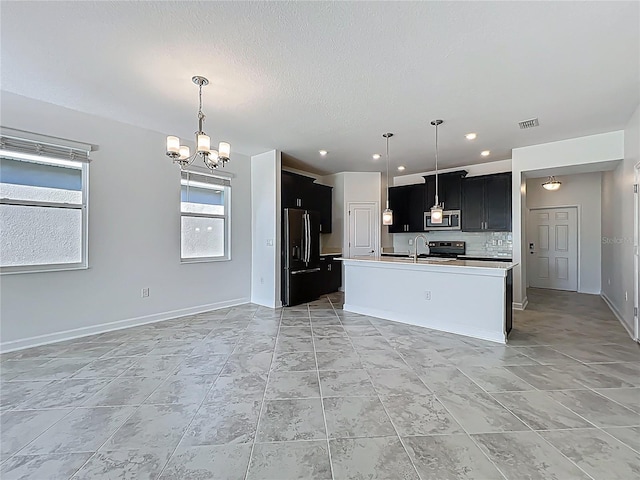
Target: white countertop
480,267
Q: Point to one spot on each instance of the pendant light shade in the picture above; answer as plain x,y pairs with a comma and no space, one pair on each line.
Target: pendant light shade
387,214
436,210
552,184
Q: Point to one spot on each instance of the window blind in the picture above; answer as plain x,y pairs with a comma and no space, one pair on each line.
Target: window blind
208,179
16,142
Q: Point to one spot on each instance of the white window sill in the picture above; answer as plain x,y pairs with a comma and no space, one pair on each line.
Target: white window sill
184,261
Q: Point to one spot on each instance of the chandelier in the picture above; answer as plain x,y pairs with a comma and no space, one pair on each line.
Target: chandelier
181,154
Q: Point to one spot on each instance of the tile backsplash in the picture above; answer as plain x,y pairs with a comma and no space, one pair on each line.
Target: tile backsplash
486,244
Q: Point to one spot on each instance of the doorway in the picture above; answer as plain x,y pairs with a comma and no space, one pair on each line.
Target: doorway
552,240
364,230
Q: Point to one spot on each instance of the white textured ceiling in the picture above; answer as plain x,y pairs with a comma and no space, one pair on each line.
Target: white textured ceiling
302,76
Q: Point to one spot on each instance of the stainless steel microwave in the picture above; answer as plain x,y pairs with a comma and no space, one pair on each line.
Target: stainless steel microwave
450,221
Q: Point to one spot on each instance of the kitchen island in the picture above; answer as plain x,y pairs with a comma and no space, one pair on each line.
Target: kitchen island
466,297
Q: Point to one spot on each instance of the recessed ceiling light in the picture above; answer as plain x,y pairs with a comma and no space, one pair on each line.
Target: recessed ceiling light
376,156
471,136
401,168
485,153
322,152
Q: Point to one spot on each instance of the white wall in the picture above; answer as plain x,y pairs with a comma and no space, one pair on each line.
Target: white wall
617,226
604,147
266,229
475,170
134,237
583,191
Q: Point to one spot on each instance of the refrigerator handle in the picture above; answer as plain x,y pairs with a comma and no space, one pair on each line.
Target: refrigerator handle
307,238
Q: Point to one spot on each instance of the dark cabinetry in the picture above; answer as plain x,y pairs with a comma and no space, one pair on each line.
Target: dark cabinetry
408,205
449,190
486,203
299,191
330,275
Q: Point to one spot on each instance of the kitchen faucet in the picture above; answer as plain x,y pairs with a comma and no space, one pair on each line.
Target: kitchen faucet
415,242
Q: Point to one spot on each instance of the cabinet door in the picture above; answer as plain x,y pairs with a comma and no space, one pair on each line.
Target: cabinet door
430,191
472,210
324,278
451,190
335,275
322,203
415,207
398,202
497,194
288,191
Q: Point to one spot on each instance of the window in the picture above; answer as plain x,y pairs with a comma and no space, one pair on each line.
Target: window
204,218
43,214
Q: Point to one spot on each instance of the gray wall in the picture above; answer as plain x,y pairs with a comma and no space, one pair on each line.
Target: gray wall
134,237
618,225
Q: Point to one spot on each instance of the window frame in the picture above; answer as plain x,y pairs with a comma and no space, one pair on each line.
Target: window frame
83,207
226,217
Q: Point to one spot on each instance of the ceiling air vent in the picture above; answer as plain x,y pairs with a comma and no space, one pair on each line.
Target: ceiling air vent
533,122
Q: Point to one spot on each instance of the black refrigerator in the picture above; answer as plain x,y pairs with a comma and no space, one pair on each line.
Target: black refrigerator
301,256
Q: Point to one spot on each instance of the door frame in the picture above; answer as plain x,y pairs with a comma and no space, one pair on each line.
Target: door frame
579,233
376,225
636,245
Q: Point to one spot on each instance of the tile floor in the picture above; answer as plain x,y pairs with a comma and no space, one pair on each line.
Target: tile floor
314,392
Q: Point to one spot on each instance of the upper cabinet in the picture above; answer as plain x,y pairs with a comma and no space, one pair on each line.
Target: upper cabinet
449,190
408,205
321,202
486,203
299,191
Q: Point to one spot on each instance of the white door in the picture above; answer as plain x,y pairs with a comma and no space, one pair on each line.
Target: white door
553,248
363,228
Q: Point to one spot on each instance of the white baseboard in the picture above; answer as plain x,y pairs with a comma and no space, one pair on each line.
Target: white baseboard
618,315
111,326
521,306
449,328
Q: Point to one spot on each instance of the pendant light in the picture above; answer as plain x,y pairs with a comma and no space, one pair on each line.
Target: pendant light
387,214
552,184
436,210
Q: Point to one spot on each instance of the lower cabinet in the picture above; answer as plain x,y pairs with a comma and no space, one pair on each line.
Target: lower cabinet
330,275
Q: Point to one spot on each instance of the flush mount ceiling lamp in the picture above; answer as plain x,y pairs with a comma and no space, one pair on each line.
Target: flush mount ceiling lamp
552,184
387,214
436,210
181,154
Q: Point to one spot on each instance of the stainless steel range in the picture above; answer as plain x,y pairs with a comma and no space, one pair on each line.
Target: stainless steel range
445,249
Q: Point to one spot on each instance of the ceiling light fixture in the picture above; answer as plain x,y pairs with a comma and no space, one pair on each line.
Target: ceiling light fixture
387,214
552,183
485,153
401,168
376,156
436,210
181,154
471,136
322,152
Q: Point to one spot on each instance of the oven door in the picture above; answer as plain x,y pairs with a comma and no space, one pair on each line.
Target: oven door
450,221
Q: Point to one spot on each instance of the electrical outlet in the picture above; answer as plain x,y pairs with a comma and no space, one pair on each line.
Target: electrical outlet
411,242
427,294
145,292
608,281
494,242
500,242
270,242
626,296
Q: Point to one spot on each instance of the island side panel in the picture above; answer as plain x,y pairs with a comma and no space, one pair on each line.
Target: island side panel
461,303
